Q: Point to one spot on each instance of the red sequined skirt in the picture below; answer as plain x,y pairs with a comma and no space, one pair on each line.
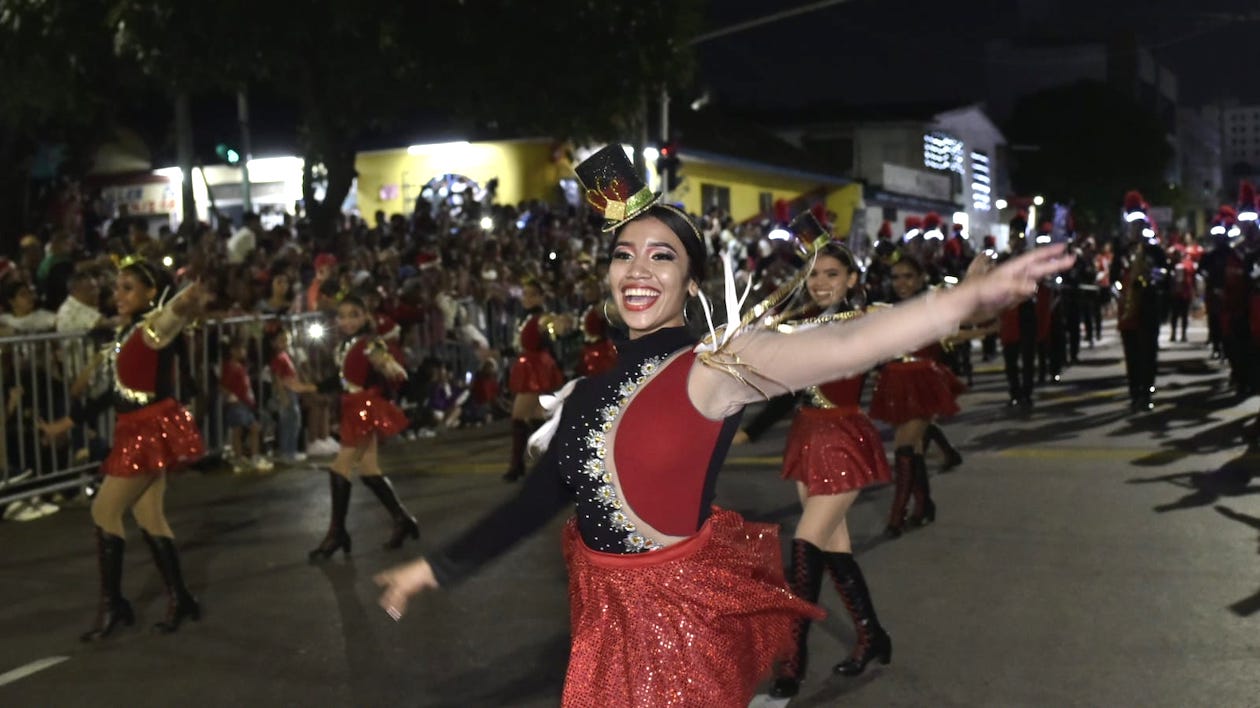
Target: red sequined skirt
699,623
367,412
160,437
535,372
598,357
834,450
913,390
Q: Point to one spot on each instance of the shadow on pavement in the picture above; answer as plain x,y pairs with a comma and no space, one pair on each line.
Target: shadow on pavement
539,675
1232,479
1248,605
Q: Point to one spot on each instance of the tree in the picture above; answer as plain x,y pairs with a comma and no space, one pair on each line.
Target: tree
58,85
1090,144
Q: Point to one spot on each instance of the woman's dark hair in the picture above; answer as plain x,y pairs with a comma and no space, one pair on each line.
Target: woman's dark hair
356,300
840,253
681,225
912,262
152,276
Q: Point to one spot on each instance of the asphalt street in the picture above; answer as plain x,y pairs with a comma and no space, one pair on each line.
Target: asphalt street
1082,556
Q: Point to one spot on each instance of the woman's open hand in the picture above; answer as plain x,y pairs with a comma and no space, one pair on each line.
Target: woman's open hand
997,287
403,581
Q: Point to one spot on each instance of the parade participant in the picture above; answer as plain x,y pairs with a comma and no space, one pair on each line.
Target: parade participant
366,367
879,270
1181,292
1138,274
153,435
910,394
598,352
534,372
1240,311
1018,333
1212,271
833,451
1051,335
673,602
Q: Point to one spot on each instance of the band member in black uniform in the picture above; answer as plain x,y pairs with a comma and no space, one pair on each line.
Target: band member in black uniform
1139,277
1212,272
1018,330
1240,312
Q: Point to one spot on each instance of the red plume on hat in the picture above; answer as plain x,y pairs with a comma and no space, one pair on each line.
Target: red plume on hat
931,220
1133,200
782,211
885,229
1046,227
1227,214
819,211
1246,196
913,222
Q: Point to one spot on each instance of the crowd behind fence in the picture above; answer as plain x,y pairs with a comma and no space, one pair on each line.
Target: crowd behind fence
38,372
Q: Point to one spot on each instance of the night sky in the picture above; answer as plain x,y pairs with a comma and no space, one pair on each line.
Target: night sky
898,51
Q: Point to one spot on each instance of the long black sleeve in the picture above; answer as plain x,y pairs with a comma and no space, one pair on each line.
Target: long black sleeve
776,409
541,497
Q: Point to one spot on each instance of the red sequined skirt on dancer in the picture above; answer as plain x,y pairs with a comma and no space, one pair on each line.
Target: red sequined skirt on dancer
367,412
160,437
535,372
598,357
834,450
698,623
911,390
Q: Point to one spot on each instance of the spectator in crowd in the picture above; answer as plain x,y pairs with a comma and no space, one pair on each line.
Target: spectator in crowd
244,240
240,412
23,316
325,272
53,271
281,300
80,311
286,390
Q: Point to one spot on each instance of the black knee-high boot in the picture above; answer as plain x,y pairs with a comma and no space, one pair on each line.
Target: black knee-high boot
872,641
337,537
903,480
180,604
925,508
934,434
113,609
520,440
805,576
404,523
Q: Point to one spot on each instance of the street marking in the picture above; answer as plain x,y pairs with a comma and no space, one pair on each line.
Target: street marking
22,672
1108,453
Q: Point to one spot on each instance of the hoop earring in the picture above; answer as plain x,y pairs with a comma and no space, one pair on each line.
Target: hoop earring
605,310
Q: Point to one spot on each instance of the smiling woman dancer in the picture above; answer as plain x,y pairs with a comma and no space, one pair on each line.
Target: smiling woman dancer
674,602
153,434
833,451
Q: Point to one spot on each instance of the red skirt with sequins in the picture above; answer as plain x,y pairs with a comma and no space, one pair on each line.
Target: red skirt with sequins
698,623
834,450
913,390
598,357
535,372
367,412
160,437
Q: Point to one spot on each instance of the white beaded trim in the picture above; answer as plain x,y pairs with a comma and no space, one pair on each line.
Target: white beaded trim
595,467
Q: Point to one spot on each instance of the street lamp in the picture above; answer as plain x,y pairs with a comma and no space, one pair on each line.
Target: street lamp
1038,200
1000,204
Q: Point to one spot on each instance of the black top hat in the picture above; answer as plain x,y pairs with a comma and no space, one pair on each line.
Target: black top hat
613,186
810,234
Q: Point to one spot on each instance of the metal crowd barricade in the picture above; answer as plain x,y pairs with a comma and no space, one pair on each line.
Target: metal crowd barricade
37,372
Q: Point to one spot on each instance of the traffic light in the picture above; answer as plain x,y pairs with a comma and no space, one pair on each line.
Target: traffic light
227,154
667,166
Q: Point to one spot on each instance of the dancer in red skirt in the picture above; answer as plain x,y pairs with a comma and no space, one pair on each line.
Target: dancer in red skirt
598,352
675,603
833,451
153,435
367,367
534,372
910,394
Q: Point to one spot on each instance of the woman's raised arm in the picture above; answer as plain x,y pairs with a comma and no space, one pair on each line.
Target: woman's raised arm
760,364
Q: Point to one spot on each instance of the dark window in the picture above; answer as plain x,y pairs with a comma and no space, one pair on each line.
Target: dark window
714,196
765,202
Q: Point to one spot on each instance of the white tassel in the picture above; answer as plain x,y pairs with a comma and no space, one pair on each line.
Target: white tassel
553,404
734,304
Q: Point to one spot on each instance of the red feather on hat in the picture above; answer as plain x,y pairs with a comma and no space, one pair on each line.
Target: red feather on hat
1246,195
1133,200
931,221
913,222
1227,212
820,212
782,211
885,229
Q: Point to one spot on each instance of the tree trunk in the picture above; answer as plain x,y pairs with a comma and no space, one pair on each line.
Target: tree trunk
324,214
184,151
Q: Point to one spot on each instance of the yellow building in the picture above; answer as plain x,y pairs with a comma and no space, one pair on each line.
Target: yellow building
390,180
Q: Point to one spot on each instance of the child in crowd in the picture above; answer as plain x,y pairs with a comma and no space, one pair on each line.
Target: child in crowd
483,401
286,389
446,398
240,410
